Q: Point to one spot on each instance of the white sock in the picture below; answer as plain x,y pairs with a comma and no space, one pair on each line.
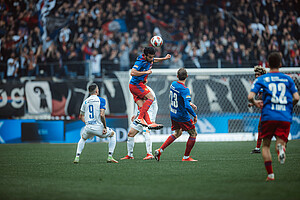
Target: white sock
271,175
186,157
148,141
80,147
112,141
130,146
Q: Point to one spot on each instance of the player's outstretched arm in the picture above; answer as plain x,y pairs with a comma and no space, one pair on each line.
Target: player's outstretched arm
135,72
295,98
168,56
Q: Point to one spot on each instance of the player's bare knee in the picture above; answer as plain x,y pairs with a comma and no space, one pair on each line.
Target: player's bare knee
112,134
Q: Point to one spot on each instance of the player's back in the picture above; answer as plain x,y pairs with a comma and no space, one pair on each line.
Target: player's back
91,108
178,93
140,64
277,96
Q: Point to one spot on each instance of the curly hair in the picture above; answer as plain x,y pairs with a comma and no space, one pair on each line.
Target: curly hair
259,69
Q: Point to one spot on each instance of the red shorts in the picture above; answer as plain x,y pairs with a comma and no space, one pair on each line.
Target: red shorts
275,128
185,126
138,91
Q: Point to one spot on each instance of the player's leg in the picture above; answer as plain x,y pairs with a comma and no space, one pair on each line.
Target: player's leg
130,143
80,145
112,141
148,143
189,145
280,149
259,140
170,140
282,133
266,154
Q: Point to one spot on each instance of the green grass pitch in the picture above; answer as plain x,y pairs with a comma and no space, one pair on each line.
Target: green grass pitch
226,170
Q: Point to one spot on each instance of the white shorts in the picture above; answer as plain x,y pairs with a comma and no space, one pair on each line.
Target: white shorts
90,131
136,126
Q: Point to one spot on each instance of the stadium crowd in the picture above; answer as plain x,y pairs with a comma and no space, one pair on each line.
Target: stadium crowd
197,34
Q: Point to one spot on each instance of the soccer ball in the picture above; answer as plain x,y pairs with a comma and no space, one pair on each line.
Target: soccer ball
156,41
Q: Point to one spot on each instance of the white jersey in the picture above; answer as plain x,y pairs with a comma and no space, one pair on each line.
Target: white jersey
91,109
152,112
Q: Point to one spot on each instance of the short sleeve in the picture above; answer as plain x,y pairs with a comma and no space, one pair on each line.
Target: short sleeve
102,103
293,87
82,109
186,95
137,65
256,86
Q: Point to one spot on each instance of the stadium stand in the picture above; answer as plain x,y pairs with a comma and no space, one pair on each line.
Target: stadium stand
61,38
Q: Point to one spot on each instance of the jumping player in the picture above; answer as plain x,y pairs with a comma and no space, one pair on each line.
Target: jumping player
279,96
142,96
258,70
180,108
138,128
92,113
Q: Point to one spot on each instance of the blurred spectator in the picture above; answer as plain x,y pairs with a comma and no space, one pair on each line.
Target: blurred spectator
96,63
12,67
31,62
176,61
124,58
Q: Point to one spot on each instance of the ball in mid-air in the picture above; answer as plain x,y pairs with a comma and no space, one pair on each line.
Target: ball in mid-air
156,41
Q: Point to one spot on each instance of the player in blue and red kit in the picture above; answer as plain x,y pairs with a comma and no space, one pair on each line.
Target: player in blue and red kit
258,70
142,96
279,96
180,108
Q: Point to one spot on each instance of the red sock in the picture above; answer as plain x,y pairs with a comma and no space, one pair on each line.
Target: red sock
258,143
147,118
170,139
145,108
269,168
189,145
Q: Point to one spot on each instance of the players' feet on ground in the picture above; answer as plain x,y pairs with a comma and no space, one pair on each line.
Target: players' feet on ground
256,150
76,160
157,154
110,159
189,159
281,154
155,126
270,177
127,157
141,121
148,157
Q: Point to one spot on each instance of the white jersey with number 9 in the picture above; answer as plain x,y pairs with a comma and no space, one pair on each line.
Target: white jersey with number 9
91,109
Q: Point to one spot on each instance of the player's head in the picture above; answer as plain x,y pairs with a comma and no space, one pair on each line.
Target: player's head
274,60
149,53
182,74
93,89
259,70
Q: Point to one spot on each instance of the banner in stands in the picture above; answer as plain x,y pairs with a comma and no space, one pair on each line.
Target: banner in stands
12,100
38,96
65,99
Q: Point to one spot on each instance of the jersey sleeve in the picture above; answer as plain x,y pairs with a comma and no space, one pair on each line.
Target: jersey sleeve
293,87
256,86
187,99
137,65
102,103
82,109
